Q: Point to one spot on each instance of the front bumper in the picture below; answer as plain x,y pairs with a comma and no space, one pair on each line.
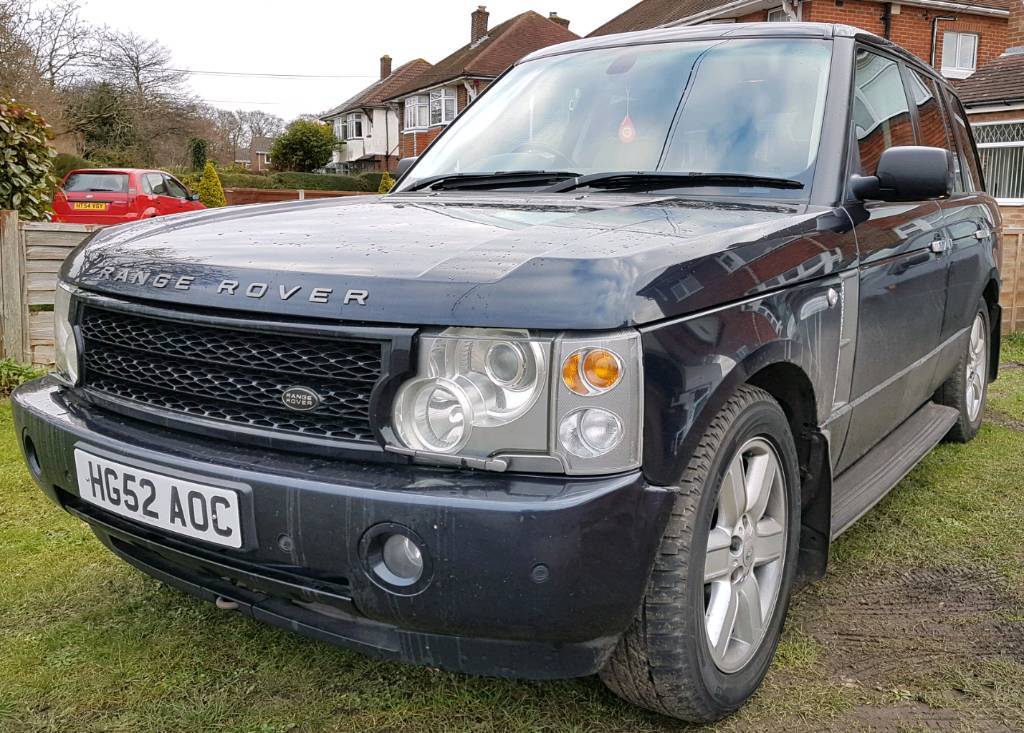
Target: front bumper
487,609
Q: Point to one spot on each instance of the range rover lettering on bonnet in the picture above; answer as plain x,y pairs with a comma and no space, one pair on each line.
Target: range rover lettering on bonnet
255,290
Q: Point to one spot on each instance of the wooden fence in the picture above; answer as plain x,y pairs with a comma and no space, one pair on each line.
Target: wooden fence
1012,270
31,256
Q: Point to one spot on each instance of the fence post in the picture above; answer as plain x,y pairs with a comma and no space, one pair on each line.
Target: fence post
13,309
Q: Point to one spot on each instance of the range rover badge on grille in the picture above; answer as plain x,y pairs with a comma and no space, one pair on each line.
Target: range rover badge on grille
301,399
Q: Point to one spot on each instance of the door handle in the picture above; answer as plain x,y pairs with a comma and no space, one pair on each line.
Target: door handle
940,246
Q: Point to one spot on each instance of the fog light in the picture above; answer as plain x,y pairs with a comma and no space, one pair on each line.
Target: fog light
590,433
395,558
402,558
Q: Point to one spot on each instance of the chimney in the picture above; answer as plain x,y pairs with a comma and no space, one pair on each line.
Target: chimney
1015,30
478,27
385,66
554,17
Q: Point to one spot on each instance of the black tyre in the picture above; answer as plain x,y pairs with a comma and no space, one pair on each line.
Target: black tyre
967,389
684,656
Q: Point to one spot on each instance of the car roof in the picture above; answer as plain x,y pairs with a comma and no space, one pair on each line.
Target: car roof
117,170
711,31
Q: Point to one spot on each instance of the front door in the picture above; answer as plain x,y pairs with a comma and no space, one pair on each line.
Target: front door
903,271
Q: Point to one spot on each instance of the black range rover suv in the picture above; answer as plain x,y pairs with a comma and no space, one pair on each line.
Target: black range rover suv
657,318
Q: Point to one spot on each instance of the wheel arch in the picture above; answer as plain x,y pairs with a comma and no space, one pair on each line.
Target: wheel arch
995,318
777,368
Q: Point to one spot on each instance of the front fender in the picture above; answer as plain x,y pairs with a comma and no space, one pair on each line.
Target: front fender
693,365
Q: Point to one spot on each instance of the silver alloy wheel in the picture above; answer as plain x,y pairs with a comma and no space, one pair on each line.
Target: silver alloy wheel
977,369
746,554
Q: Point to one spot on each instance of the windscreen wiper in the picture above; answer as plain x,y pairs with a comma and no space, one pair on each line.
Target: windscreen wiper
455,181
666,179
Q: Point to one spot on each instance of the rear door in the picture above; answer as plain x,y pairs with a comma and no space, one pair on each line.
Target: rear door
902,270
972,228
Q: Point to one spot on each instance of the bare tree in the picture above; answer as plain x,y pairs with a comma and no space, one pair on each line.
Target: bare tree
139,64
60,40
261,124
16,67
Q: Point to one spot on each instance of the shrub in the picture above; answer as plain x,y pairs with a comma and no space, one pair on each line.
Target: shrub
246,180
211,193
386,183
305,146
371,181
320,182
197,150
12,374
108,157
64,163
26,162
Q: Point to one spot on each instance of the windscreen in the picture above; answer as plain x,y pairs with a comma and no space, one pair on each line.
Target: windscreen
741,106
97,182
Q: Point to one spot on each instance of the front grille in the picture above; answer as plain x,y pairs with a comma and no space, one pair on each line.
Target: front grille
231,375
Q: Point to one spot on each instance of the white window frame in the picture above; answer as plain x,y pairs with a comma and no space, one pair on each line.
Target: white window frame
442,97
353,120
417,112
778,15
957,71
339,128
1010,144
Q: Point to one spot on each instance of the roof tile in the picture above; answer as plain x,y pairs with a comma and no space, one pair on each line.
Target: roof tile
503,45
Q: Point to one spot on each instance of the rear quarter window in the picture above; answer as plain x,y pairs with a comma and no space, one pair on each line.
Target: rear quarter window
97,183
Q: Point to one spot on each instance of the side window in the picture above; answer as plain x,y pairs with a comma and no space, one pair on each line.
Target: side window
881,114
935,129
962,132
147,187
175,189
156,184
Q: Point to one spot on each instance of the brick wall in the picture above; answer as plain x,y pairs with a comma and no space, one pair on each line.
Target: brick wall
415,142
912,28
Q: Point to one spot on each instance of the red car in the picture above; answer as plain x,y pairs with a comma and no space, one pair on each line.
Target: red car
119,195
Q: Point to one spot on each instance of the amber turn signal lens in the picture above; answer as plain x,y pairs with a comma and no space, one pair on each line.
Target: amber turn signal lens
601,369
591,371
571,375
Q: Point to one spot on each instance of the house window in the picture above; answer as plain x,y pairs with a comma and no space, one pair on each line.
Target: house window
959,54
339,128
779,15
417,112
442,106
1001,146
353,126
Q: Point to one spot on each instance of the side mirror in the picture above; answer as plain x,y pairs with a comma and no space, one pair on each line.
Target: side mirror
908,173
404,165
192,197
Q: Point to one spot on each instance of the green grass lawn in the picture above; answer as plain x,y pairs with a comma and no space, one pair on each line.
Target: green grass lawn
921,619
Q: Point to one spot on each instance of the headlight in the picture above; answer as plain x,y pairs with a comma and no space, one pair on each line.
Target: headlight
490,398
65,346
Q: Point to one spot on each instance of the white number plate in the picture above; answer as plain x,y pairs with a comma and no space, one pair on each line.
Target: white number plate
205,512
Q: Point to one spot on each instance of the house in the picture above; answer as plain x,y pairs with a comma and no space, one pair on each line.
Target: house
954,37
433,100
368,125
259,153
994,99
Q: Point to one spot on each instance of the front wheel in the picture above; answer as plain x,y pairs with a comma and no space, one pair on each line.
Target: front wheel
712,615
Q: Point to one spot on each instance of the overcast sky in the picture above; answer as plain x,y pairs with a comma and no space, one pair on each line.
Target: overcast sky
312,37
